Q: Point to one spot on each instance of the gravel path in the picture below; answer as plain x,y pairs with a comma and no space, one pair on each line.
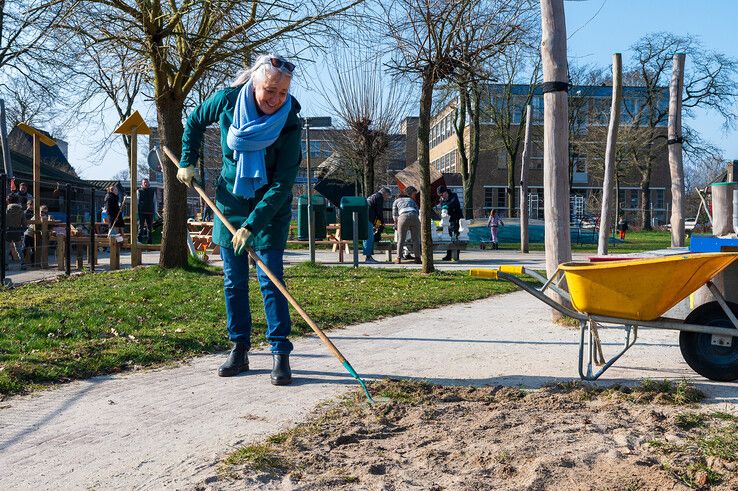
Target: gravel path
167,428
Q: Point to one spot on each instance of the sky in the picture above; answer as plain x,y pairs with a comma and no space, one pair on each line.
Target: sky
596,29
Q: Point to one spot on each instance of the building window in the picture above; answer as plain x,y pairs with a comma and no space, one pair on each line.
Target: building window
657,199
488,195
601,111
633,203
537,109
628,110
536,155
501,198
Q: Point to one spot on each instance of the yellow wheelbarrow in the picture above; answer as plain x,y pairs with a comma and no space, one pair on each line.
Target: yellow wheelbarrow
636,293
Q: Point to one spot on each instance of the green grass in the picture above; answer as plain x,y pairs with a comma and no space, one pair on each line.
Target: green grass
260,457
648,240
722,444
103,323
707,451
680,393
689,420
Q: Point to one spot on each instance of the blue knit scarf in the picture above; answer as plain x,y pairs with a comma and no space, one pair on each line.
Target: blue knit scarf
248,136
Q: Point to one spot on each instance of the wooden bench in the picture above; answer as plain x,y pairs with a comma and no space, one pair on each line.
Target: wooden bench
454,247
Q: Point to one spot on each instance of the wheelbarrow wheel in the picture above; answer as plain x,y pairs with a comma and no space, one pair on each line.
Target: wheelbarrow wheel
713,361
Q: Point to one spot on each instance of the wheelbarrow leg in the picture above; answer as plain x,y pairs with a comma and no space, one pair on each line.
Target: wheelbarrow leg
592,342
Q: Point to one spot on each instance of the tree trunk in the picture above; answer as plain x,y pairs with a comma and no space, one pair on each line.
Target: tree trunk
610,150
173,244
476,128
426,100
510,186
676,165
368,165
645,199
618,205
524,166
555,138
459,126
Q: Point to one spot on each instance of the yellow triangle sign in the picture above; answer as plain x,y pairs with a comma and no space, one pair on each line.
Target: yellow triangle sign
26,128
134,125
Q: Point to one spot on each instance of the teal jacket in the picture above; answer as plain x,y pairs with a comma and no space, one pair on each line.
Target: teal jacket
267,214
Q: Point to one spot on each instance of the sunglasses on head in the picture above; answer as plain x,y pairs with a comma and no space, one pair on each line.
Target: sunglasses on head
282,64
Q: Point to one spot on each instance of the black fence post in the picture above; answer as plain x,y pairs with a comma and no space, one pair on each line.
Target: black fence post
3,192
68,238
93,250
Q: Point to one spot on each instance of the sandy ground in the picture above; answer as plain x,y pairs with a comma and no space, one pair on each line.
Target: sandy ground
468,438
169,428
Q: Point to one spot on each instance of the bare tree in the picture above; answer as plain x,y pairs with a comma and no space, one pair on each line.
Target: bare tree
369,107
427,46
28,102
25,25
180,43
105,75
507,106
709,83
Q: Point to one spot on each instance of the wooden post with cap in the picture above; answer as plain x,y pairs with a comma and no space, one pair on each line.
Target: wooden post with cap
134,125
39,137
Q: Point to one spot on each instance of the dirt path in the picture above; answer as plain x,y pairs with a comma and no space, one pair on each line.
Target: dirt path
167,428
565,436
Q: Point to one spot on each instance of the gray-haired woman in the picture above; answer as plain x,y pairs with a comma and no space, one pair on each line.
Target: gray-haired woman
260,139
407,219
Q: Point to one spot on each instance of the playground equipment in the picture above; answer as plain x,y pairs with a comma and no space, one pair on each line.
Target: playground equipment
632,294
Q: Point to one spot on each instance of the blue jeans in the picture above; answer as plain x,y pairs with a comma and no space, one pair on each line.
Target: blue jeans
236,289
369,242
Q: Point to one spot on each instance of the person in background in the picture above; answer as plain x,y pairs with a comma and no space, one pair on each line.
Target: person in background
493,223
30,232
450,201
622,227
374,216
260,134
28,213
23,195
115,219
15,223
146,198
59,195
406,215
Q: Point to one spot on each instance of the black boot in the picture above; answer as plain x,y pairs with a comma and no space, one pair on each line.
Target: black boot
237,362
281,373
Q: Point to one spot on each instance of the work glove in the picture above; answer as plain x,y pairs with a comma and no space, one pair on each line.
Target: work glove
185,175
239,240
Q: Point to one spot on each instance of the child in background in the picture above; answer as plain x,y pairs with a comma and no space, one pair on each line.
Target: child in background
622,227
493,223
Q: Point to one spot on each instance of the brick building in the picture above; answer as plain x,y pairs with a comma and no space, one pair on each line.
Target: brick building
589,116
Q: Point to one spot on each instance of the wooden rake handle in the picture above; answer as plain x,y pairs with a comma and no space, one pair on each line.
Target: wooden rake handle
263,266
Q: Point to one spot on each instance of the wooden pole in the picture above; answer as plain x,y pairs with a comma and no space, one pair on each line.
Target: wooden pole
676,165
525,165
7,163
135,251
555,137
37,186
133,126
608,184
